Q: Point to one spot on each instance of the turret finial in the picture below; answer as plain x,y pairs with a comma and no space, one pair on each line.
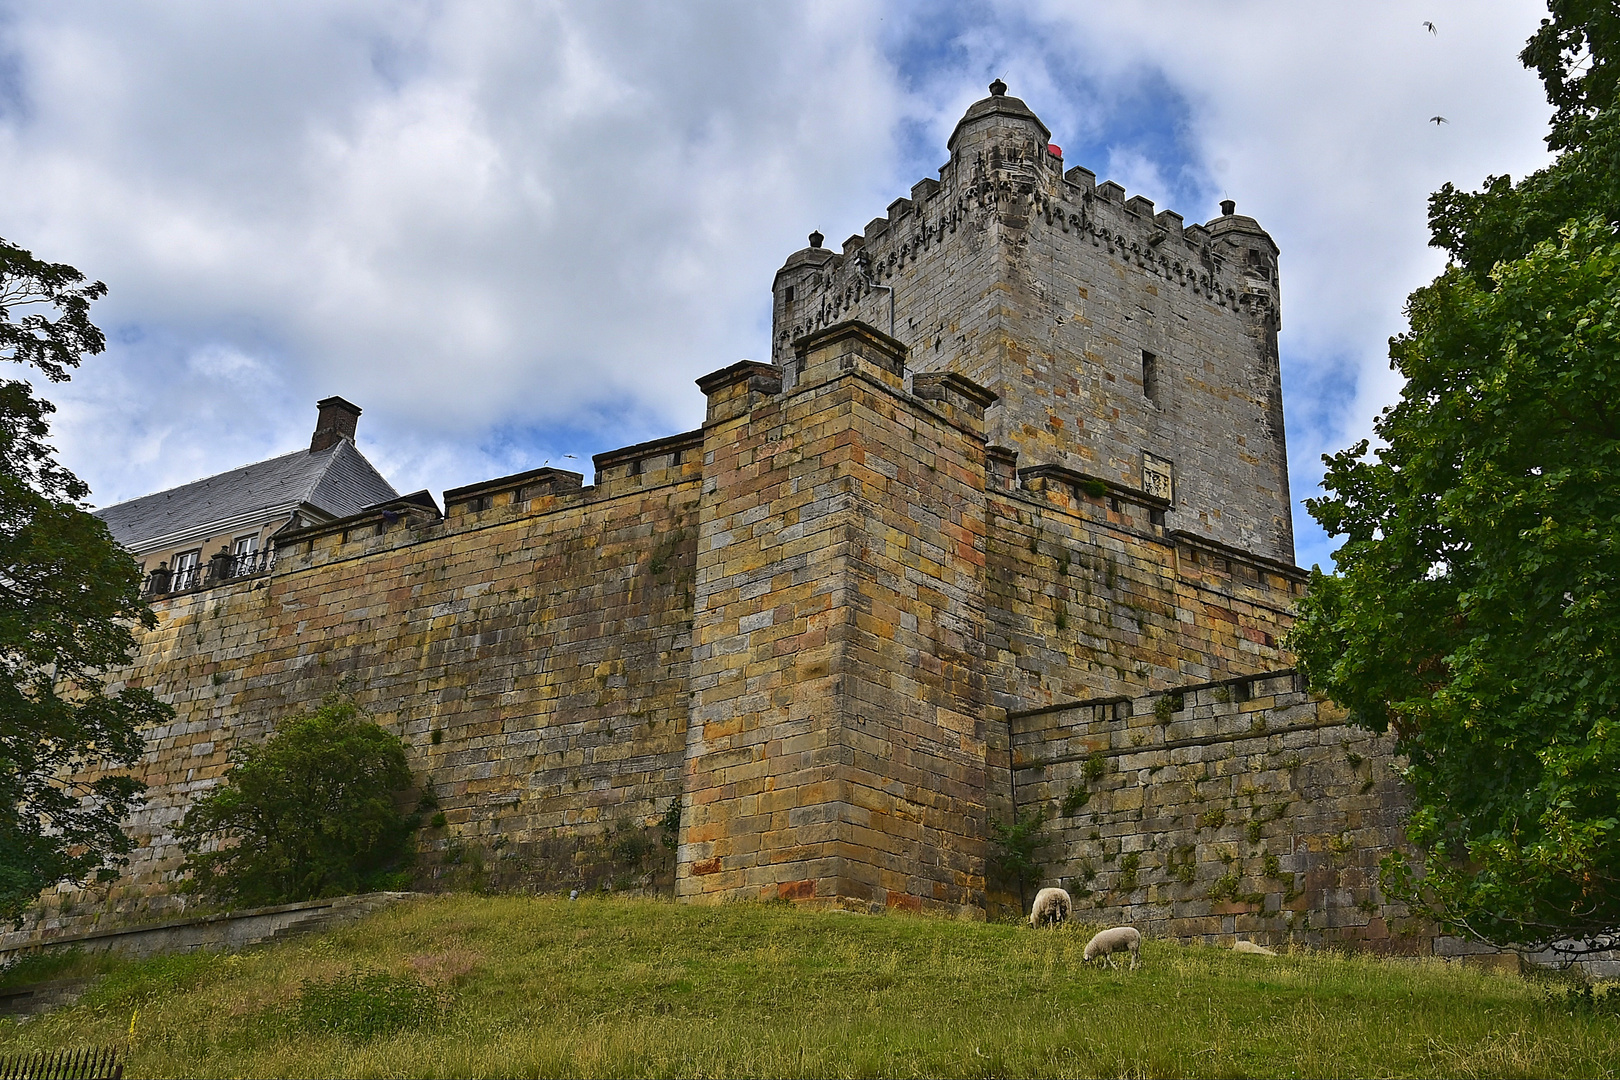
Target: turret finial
1228,207
815,239
998,89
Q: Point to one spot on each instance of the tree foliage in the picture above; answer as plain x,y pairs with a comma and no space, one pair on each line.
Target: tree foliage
69,599
314,811
1474,610
1015,849
1576,53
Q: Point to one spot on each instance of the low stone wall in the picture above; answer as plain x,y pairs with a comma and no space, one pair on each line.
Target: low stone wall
219,930
1243,807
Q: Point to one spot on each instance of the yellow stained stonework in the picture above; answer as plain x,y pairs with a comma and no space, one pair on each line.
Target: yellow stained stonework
896,589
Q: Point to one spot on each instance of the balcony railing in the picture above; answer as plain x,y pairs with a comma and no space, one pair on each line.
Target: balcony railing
216,571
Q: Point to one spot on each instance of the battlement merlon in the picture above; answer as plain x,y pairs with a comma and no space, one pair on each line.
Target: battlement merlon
1119,341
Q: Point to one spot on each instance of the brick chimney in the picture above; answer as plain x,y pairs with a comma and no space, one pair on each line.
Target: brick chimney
336,421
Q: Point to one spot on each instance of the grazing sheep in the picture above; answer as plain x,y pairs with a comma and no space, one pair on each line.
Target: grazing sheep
1251,949
1052,907
1116,939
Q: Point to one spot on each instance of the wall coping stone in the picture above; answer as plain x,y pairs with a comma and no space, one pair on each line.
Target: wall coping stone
561,480
686,440
1188,688
107,940
1287,570
750,370
1079,480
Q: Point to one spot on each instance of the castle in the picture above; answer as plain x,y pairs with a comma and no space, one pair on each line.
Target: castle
1002,529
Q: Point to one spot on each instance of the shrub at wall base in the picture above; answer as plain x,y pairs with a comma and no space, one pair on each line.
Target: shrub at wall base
313,812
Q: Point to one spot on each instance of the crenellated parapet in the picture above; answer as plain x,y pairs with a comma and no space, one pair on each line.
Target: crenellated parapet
1232,262
1002,526
1114,336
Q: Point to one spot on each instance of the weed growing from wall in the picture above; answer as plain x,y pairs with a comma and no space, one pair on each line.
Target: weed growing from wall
1076,798
1014,847
1128,867
669,826
1224,888
1167,706
1182,863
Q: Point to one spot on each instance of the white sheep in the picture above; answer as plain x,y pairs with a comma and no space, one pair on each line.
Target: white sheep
1251,949
1113,940
1052,907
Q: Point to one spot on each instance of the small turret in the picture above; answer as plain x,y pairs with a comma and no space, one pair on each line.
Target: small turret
1241,232
791,288
1002,119
1239,239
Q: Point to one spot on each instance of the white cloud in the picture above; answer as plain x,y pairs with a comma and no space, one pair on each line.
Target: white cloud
469,217
512,231
1315,119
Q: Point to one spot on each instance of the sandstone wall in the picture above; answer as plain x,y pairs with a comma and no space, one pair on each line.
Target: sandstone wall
1240,808
1090,596
843,632
837,743
532,649
1048,289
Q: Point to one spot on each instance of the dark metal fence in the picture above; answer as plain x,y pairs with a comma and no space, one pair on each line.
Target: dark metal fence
91,1063
218,570
257,562
185,577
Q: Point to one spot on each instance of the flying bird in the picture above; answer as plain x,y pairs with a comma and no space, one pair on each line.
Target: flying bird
1429,26
1438,120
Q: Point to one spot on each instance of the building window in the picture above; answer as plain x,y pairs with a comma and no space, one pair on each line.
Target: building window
1150,377
187,570
245,555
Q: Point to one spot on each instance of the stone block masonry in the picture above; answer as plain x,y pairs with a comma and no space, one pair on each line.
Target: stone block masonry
531,648
1028,552
1119,343
1239,808
1092,595
836,749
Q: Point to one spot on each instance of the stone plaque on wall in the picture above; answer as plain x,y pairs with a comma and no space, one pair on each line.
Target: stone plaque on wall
1156,478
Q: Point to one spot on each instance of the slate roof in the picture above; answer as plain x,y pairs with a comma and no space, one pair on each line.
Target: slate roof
337,481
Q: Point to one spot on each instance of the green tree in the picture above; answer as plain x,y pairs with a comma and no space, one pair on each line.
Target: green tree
1475,610
314,811
1014,851
69,600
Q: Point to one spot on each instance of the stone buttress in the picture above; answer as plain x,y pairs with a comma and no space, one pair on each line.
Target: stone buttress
1003,529
836,747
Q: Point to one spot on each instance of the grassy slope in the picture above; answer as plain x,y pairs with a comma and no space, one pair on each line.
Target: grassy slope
610,987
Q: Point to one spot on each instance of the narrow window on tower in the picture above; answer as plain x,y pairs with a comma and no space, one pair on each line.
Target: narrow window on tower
1150,377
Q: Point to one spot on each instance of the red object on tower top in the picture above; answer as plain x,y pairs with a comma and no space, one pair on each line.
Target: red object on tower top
1054,149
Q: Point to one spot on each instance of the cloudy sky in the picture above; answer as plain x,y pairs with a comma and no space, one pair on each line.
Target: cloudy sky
518,231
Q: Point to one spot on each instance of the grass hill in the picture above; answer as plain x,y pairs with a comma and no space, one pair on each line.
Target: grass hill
513,986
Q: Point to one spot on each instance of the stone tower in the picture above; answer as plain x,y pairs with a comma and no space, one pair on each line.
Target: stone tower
1118,343
1003,530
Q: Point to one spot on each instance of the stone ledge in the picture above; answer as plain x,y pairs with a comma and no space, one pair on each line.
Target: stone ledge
223,929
